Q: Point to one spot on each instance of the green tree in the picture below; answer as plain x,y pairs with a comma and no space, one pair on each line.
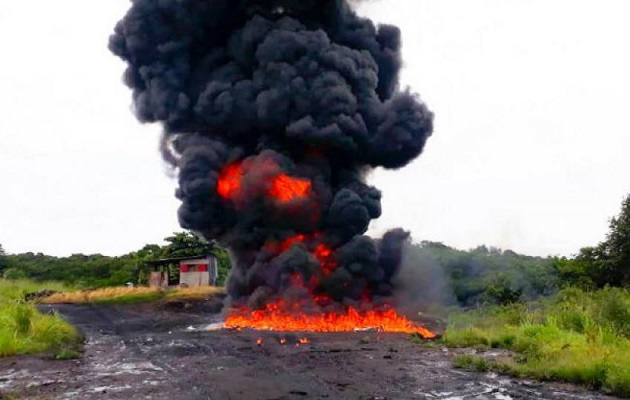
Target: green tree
4,260
609,262
223,263
617,244
186,244
501,290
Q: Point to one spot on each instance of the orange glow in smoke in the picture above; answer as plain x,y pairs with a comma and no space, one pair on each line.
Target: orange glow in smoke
283,187
287,243
229,182
303,341
259,341
284,317
286,188
283,341
323,253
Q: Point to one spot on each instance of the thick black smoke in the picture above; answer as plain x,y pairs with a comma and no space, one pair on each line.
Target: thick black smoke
304,88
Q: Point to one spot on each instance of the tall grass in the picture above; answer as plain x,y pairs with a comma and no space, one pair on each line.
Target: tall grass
24,330
17,289
120,295
580,337
106,295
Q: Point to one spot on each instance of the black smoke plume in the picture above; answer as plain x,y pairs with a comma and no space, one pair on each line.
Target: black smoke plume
303,88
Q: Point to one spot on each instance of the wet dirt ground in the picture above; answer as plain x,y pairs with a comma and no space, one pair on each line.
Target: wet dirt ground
140,352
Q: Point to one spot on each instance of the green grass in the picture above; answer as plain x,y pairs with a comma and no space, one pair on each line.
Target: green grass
576,337
24,330
17,289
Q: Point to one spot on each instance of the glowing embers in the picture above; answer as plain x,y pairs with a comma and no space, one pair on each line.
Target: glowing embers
285,341
229,182
282,187
285,317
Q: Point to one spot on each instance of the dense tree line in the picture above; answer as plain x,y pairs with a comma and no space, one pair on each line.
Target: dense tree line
479,276
97,270
483,275
491,275
607,264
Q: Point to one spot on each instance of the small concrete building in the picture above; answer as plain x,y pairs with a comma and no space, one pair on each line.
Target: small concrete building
193,271
198,271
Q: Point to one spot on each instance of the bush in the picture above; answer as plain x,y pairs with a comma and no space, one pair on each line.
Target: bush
14,274
612,309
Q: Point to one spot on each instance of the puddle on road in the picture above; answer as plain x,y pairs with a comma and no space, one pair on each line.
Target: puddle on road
477,390
106,389
115,369
8,379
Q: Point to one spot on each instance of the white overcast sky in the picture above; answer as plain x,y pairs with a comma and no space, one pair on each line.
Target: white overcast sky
531,149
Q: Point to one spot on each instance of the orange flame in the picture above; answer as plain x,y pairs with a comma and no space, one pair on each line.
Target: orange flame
229,182
304,341
283,341
286,188
280,316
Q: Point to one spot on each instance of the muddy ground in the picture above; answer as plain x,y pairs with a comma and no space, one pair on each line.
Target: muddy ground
141,352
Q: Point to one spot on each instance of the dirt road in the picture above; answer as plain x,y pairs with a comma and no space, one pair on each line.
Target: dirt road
138,352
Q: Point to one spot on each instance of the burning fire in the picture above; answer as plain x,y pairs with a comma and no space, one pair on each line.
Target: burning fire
283,187
280,316
290,317
287,243
286,188
322,252
229,182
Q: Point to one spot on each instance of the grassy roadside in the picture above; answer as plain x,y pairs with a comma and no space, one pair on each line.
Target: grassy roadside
578,337
125,295
24,330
